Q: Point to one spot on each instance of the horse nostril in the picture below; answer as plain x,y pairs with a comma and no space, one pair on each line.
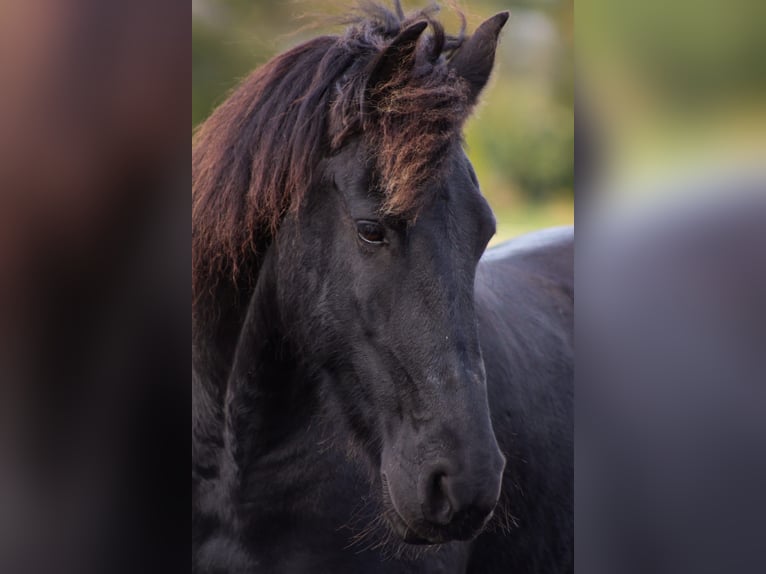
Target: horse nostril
461,501
437,506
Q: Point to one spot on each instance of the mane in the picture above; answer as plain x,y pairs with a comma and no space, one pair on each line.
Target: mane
257,156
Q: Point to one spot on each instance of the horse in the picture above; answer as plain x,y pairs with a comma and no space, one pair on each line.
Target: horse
371,391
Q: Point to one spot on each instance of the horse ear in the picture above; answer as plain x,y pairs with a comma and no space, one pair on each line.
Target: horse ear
398,54
474,60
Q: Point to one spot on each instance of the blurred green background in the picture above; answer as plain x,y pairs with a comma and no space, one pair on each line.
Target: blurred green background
521,139
674,89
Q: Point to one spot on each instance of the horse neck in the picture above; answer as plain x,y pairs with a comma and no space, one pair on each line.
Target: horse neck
222,314
217,324
264,383
262,391
214,341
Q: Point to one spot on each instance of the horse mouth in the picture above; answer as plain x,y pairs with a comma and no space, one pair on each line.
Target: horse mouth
406,532
398,524
425,534
433,535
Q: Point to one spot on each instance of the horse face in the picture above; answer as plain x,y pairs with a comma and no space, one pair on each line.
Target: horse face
387,308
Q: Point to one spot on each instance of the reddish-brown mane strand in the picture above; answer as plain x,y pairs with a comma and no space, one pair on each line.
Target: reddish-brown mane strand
256,157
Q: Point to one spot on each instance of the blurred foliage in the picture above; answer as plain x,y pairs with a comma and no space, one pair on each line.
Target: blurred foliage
695,53
521,139
673,86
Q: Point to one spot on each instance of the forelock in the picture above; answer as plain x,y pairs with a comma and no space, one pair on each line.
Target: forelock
414,124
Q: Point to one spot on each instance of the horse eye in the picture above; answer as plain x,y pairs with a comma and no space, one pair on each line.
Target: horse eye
371,231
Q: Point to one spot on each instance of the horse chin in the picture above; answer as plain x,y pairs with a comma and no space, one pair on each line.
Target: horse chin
425,535
408,534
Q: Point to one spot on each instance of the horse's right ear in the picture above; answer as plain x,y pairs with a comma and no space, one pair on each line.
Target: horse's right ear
398,55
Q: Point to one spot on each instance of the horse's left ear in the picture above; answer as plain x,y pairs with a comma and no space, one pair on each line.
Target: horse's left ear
474,60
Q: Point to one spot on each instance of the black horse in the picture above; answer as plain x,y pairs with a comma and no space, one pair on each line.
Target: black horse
369,393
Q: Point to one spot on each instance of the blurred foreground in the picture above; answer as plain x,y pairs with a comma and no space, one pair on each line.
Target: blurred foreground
94,263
